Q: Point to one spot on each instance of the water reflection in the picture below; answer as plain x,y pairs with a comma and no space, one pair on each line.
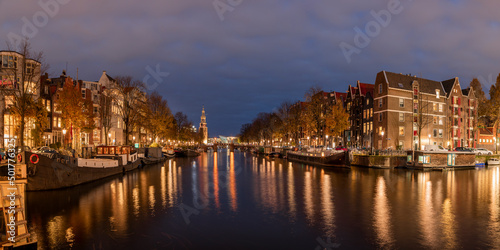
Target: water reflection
237,196
328,208
382,215
232,183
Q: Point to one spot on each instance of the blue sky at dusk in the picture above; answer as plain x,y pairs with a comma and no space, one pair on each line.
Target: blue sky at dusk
249,56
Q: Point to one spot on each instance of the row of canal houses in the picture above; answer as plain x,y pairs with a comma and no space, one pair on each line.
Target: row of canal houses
14,66
399,110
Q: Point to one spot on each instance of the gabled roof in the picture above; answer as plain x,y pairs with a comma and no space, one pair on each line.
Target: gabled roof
448,85
401,81
339,95
466,91
486,131
365,88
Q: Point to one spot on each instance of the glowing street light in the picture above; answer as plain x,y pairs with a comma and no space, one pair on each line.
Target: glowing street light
64,136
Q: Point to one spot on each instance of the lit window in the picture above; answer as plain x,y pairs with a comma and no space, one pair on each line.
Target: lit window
437,93
440,107
434,107
440,120
401,130
440,133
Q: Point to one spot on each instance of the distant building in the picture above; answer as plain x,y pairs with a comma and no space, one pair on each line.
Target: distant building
203,127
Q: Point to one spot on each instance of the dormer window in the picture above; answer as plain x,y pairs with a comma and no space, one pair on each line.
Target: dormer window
437,93
400,85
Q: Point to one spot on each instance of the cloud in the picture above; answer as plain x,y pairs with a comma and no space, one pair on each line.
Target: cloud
264,52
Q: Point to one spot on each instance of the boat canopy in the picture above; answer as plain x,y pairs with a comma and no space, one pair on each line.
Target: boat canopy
113,150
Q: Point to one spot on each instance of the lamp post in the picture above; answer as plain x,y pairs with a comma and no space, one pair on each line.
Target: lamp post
326,141
308,142
429,139
64,136
496,145
109,136
382,134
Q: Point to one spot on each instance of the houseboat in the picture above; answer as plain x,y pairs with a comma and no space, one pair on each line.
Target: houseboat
54,171
331,158
438,160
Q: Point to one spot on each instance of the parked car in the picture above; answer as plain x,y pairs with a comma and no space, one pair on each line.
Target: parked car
482,151
434,148
341,148
464,149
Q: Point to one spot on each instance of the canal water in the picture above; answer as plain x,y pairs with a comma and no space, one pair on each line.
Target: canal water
240,201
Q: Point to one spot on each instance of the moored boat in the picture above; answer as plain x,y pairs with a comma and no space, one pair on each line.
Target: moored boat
54,171
331,158
493,162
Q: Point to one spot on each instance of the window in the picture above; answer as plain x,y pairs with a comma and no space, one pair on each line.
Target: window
434,107
380,102
440,107
59,122
379,129
440,120
9,62
435,133
380,117
364,128
55,123
402,144
401,117
83,94
437,93
401,103
434,120
401,130
95,110
47,105
380,88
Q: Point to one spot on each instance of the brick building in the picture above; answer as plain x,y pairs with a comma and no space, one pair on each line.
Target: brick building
409,109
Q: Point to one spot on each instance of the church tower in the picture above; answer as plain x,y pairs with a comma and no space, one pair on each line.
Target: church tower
203,126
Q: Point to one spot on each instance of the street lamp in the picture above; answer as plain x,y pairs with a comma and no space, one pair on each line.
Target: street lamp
382,134
64,136
326,141
109,136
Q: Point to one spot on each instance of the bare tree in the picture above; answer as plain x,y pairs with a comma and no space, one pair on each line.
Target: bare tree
130,101
423,117
20,75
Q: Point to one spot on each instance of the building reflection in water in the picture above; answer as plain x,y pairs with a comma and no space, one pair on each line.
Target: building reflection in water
292,206
388,209
328,208
216,181
426,211
232,184
382,215
308,196
494,220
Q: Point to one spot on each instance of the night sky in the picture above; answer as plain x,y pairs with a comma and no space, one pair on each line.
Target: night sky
250,56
